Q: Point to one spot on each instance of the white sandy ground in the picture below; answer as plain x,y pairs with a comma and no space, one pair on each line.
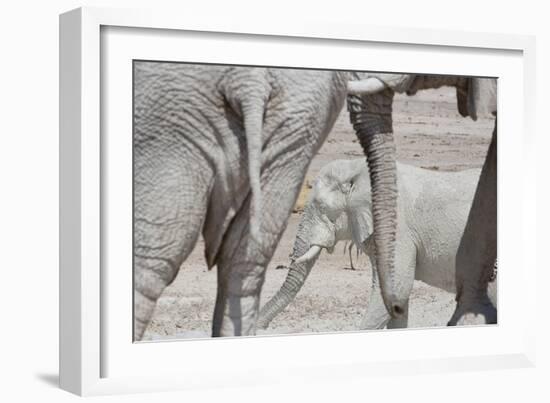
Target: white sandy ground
430,134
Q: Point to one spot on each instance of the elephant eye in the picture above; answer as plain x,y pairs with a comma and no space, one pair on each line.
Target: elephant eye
351,187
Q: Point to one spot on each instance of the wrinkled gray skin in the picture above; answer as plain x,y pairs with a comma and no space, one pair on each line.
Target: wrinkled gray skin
225,150
477,251
432,211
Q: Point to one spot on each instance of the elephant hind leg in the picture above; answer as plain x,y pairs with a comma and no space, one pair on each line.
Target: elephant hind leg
241,269
169,210
243,259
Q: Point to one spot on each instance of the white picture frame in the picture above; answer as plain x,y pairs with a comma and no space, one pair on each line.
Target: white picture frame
93,361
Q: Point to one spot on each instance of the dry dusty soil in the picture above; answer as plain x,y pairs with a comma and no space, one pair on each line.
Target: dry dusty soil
430,134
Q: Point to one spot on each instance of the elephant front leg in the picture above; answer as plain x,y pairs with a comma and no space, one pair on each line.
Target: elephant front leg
478,250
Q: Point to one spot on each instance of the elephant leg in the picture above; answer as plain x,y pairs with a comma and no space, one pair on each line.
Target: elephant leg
243,260
169,209
478,250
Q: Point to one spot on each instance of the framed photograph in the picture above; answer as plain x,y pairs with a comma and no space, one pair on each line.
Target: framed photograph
214,183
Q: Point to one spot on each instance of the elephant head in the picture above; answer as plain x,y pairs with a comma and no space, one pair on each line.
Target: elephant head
370,106
338,209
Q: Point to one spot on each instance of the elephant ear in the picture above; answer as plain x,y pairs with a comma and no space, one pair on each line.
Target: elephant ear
477,97
360,217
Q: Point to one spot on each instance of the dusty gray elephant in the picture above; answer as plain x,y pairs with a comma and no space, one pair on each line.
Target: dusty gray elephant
224,150
477,252
432,211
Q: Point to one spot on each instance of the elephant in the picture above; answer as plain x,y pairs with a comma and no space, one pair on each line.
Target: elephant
223,150
477,251
432,210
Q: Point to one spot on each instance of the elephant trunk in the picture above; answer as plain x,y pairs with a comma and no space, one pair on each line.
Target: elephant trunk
378,82
372,120
296,277
253,112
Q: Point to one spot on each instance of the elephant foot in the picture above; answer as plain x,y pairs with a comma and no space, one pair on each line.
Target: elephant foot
474,314
239,317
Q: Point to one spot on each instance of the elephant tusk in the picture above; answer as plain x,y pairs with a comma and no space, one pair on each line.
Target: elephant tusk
370,85
312,253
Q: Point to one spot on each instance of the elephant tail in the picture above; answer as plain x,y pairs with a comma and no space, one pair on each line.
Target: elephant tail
253,112
247,92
